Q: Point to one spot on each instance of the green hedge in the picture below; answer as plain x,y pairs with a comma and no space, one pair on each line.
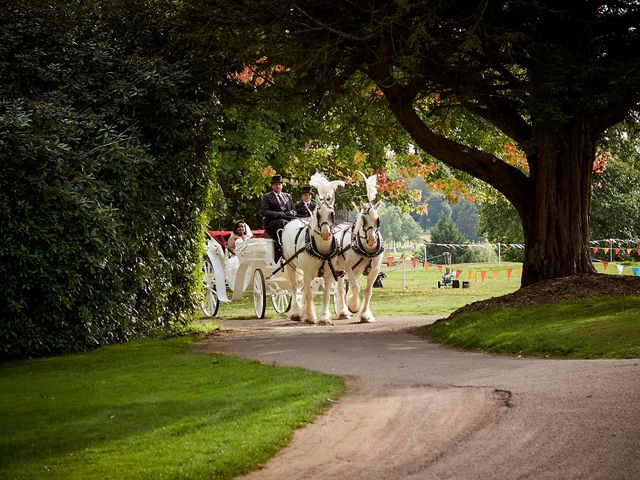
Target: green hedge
104,138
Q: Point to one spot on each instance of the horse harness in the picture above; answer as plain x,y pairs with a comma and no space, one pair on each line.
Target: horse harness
312,250
358,248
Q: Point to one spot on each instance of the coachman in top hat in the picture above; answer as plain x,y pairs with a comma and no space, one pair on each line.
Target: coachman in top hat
277,210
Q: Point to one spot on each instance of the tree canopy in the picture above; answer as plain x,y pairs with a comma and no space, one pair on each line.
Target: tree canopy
550,77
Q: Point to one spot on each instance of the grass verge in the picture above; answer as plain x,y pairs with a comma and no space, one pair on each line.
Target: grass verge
597,327
150,409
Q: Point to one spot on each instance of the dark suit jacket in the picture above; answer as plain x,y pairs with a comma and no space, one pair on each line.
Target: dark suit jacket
271,208
301,210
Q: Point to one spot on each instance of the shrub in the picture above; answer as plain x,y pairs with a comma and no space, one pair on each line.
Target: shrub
103,144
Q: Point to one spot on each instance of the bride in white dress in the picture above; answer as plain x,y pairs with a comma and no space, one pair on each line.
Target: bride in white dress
236,243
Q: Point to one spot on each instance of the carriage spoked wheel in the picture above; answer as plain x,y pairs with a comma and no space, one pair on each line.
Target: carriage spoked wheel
281,300
211,302
259,293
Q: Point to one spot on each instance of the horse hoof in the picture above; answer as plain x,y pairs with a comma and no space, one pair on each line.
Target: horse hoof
353,311
343,316
367,319
310,321
295,318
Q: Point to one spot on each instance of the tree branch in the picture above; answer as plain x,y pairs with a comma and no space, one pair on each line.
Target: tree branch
510,181
501,112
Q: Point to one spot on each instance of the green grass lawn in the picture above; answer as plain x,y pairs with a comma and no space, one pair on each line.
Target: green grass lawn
149,409
408,291
599,327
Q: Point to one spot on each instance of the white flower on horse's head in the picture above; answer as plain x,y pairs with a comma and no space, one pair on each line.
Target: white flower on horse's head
371,183
325,187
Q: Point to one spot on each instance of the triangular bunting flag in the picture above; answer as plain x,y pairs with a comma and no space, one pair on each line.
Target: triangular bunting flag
471,274
426,266
605,265
414,261
616,251
629,251
483,274
509,271
595,249
635,271
495,273
620,268
638,252
606,250
440,268
458,273
390,261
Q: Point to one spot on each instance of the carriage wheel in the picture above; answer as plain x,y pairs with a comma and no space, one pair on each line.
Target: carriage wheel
281,301
211,303
259,293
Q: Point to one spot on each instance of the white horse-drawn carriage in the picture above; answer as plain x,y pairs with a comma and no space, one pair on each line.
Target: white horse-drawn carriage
317,254
256,265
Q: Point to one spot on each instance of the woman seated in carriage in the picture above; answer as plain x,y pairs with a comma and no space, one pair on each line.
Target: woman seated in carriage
236,243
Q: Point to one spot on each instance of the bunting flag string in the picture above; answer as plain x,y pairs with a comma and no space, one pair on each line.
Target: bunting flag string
621,245
477,245
616,246
457,273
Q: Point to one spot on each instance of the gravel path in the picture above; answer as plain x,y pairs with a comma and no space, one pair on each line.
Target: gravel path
416,410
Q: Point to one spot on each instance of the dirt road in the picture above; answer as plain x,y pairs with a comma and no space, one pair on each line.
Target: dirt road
416,410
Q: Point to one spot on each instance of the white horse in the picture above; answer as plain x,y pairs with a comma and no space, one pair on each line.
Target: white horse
310,247
361,248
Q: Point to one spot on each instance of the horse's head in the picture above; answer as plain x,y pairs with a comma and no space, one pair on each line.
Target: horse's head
323,219
368,221
367,224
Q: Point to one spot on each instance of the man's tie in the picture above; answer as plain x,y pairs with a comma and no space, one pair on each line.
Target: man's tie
280,199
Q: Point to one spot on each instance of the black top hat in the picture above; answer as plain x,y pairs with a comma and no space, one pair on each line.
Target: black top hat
276,179
306,189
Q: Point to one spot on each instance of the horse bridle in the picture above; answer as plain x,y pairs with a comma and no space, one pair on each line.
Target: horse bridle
331,224
366,227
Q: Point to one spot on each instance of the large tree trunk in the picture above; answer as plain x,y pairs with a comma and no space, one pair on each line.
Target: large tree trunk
553,201
556,217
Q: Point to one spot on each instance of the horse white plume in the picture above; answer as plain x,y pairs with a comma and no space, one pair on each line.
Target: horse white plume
371,183
323,185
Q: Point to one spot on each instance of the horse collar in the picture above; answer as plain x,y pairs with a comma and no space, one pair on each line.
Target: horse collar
358,247
312,250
